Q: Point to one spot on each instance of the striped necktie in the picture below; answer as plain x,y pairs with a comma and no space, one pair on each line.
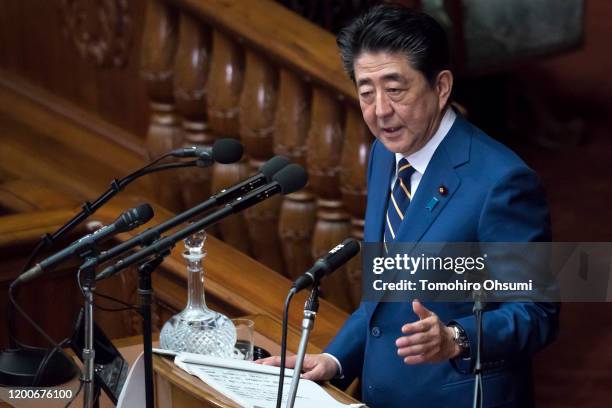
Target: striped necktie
399,200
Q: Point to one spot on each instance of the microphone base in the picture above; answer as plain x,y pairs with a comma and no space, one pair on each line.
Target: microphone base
18,368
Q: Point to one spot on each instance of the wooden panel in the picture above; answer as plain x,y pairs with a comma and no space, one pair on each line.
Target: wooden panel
25,196
75,34
42,144
65,122
39,106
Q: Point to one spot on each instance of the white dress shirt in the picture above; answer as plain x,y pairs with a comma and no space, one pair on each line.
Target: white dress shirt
421,158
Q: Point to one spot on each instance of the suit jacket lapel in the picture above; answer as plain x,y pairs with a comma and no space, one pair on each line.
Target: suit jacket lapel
428,201
378,196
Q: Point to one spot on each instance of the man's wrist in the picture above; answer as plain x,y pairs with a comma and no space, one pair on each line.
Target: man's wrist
461,343
339,374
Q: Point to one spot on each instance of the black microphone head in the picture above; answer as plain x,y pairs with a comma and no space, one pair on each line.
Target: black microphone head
227,151
273,166
134,217
339,255
291,178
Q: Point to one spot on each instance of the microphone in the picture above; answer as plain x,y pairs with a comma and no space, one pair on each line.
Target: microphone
223,151
338,256
288,180
266,172
265,175
127,221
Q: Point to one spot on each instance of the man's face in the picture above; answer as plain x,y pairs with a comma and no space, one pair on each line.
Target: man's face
398,104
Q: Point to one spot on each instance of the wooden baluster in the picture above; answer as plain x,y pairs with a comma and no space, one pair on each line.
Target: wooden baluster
191,69
158,48
324,156
357,142
257,108
224,86
298,211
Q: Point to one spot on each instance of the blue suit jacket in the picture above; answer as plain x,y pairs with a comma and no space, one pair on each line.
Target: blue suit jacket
492,197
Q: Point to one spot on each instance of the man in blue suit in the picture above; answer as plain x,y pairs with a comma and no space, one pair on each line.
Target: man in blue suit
408,354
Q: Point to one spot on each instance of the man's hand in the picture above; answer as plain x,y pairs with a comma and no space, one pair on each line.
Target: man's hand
316,367
427,340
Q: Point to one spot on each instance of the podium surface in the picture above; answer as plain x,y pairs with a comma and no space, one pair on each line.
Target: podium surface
176,388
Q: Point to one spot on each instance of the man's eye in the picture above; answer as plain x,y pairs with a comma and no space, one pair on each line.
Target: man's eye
365,94
394,91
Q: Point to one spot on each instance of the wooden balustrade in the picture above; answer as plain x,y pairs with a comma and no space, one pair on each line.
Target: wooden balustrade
254,71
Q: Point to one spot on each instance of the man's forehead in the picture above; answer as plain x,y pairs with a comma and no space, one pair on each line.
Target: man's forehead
370,66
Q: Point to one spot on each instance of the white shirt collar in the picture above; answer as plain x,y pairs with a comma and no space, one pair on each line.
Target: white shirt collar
421,158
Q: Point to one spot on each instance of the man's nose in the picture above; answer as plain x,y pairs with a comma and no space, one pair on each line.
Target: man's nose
383,106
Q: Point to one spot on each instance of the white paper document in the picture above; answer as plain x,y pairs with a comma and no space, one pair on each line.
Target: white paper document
254,385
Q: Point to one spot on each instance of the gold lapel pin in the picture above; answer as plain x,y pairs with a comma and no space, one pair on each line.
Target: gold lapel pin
443,190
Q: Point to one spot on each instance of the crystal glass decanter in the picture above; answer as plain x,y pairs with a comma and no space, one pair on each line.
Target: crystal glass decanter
197,329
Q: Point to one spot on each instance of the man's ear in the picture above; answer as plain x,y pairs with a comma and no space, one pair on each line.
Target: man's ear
444,86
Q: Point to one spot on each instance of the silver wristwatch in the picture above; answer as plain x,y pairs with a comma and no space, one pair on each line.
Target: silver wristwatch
461,339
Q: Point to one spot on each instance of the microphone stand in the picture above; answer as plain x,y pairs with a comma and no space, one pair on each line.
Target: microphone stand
310,312
145,292
88,287
478,310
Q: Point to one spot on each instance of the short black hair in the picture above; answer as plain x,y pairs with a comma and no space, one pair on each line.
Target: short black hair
393,28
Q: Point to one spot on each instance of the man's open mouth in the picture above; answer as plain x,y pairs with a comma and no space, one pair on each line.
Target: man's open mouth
391,129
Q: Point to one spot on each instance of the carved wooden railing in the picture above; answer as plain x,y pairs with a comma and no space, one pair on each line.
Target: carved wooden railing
257,72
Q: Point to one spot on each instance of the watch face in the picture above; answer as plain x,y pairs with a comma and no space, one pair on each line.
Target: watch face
460,337
456,334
